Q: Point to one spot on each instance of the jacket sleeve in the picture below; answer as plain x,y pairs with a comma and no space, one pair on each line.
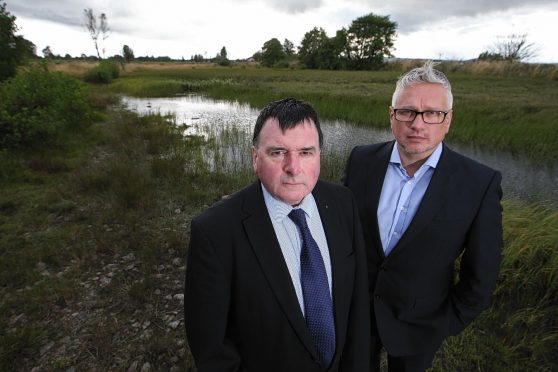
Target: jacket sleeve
480,263
207,295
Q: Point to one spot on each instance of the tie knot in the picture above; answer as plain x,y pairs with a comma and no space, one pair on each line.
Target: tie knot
298,217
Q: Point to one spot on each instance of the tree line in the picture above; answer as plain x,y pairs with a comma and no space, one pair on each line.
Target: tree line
362,46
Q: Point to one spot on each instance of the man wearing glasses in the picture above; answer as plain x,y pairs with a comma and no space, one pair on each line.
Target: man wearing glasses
432,224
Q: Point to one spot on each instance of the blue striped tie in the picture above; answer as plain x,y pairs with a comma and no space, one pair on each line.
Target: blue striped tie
315,290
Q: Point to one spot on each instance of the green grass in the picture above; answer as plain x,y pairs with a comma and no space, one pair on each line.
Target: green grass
520,331
516,114
66,215
114,190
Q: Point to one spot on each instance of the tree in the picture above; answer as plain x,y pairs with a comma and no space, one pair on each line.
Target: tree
197,58
513,48
221,58
96,29
223,53
47,52
14,49
127,53
314,49
272,52
25,48
288,48
369,39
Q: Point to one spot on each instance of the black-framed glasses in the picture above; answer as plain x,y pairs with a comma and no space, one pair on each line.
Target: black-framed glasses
428,116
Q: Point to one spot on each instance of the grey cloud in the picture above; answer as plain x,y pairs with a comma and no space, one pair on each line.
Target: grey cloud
295,6
65,12
291,6
411,15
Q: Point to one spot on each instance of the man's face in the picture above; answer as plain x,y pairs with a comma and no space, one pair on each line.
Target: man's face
287,163
417,140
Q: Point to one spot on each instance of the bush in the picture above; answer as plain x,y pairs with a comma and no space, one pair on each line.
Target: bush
104,73
281,64
97,75
39,107
14,49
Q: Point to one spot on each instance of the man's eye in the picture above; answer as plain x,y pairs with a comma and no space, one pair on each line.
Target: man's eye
276,153
432,114
306,153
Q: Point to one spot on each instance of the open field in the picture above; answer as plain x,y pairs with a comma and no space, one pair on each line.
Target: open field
516,114
94,235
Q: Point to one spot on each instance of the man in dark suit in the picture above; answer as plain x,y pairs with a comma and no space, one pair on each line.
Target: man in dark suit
425,210
276,273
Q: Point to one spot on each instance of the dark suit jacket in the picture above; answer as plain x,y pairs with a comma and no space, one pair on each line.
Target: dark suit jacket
417,301
241,310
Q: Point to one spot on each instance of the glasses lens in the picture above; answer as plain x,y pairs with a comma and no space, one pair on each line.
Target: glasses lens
405,115
433,117
429,117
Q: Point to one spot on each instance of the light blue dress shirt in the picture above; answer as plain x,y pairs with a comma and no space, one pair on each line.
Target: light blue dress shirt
289,237
401,196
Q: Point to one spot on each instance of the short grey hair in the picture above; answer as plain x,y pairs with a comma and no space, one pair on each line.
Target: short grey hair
425,74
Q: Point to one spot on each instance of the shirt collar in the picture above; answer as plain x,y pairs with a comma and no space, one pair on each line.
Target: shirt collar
278,209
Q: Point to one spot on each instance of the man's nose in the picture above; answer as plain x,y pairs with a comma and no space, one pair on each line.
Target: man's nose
292,163
417,121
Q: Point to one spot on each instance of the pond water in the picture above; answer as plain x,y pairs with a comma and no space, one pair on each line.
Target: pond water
204,116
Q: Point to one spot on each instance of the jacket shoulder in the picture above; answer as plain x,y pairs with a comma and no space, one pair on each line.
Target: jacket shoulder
373,149
332,190
460,161
221,212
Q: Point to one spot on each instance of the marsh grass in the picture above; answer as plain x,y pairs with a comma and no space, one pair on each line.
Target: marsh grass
68,219
164,87
520,331
512,111
89,231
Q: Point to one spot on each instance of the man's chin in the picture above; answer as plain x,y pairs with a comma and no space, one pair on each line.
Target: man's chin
292,198
416,150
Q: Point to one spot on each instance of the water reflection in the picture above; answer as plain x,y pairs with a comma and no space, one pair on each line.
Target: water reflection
207,117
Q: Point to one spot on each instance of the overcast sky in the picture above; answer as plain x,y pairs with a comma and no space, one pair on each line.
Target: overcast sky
446,29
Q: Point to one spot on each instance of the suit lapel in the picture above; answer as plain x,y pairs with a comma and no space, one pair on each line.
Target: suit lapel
434,198
339,251
261,234
375,175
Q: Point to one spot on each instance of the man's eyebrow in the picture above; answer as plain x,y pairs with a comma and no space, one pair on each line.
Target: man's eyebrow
275,148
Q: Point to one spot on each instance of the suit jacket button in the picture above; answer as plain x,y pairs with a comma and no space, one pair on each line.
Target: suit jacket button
377,297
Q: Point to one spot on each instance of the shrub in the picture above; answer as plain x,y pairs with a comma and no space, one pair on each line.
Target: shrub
38,107
111,67
104,73
281,64
97,75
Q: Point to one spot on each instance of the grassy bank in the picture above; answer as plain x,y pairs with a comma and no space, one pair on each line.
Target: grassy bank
500,111
93,233
520,331
92,240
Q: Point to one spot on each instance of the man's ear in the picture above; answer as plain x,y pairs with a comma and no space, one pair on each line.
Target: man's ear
254,159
